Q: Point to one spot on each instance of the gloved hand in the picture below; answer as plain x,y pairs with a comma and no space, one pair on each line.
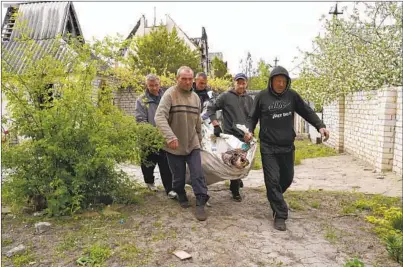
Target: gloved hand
217,130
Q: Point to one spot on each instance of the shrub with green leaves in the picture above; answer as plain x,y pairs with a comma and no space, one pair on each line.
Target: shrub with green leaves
72,140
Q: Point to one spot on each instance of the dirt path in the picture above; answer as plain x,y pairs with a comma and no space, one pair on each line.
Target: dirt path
235,234
338,173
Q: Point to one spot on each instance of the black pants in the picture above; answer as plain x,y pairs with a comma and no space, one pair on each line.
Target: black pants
149,166
278,170
177,163
234,186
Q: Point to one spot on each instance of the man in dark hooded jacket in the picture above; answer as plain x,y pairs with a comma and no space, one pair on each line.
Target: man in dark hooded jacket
275,108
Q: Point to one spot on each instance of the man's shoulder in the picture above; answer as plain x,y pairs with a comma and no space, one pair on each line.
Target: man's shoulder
292,92
262,94
169,91
195,96
141,97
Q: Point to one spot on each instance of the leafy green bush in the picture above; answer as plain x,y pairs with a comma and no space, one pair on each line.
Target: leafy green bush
72,140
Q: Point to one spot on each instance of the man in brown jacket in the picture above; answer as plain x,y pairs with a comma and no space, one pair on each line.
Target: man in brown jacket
178,118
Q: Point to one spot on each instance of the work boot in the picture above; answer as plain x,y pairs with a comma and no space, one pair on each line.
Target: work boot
236,196
279,224
183,200
201,214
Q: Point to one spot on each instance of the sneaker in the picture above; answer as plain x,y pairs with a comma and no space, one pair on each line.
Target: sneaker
152,187
279,224
172,195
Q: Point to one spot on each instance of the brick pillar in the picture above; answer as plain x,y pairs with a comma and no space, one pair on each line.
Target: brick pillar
386,128
341,112
333,117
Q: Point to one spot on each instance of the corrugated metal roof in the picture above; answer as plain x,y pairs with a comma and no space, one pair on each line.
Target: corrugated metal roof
15,54
45,20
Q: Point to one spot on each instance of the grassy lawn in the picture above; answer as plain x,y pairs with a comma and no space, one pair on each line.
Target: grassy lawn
304,149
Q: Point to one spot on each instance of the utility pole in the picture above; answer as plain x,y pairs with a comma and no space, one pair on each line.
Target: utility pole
335,12
275,62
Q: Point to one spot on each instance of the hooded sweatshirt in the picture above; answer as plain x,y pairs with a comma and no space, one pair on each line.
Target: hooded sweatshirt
276,115
235,109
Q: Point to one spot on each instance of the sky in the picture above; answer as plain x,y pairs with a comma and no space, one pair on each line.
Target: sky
266,29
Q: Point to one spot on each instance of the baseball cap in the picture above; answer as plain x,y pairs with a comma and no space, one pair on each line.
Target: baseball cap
240,76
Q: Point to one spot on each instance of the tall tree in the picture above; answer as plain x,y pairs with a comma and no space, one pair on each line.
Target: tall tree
361,52
219,68
162,51
261,79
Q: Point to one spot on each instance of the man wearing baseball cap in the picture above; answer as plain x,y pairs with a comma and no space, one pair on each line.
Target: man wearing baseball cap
235,105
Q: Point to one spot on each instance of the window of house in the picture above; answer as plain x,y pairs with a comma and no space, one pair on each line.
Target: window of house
9,23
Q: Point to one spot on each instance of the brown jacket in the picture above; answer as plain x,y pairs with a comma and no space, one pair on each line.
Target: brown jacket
178,117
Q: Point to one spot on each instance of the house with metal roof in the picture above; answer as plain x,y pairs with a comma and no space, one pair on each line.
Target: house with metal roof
43,22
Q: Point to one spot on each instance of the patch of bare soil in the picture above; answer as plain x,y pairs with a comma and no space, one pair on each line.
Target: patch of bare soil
235,234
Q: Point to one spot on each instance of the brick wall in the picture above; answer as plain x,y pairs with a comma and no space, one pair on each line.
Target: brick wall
360,113
397,151
125,99
368,125
333,117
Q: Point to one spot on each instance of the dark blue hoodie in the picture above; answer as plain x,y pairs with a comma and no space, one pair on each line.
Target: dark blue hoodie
276,115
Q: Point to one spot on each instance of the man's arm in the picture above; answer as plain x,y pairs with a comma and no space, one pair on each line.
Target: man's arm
140,112
162,116
307,113
254,114
213,107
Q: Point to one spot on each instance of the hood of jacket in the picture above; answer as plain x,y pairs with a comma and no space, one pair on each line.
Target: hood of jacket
278,71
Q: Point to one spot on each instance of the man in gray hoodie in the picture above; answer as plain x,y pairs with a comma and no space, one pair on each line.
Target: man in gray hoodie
235,105
146,106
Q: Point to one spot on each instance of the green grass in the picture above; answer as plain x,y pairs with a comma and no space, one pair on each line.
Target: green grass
23,259
303,150
306,149
331,234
